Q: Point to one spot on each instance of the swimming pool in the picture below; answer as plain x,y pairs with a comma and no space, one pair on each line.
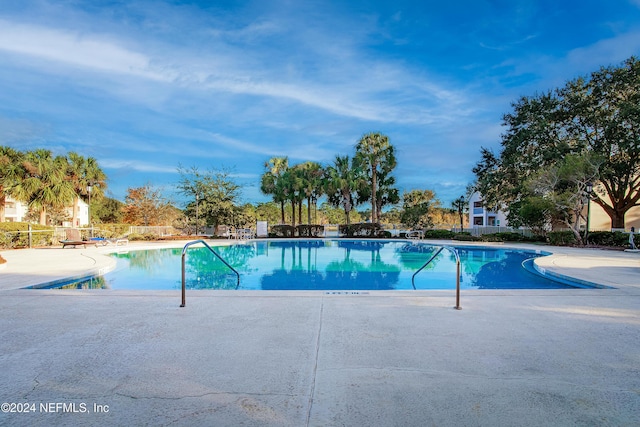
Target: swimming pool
346,265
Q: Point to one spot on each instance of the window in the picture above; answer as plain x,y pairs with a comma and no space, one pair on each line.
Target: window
478,220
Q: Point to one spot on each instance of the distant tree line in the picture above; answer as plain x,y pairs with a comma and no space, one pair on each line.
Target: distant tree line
48,184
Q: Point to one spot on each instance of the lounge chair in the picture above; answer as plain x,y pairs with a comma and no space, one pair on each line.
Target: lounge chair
73,238
117,240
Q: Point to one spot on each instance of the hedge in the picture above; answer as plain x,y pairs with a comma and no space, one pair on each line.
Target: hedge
439,234
465,237
562,238
364,229
505,237
282,231
145,236
614,239
306,230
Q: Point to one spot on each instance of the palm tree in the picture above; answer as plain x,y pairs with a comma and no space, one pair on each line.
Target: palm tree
460,205
45,182
87,179
388,194
344,177
377,154
10,167
292,187
311,177
272,181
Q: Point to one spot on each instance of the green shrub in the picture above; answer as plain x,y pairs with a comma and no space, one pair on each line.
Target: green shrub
306,230
363,229
283,231
439,234
505,237
614,239
562,238
145,236
112,230
465,237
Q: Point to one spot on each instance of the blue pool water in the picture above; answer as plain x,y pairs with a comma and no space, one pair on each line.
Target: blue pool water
323,265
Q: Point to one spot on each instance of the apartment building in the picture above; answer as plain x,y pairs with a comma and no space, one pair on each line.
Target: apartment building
16,211
479,216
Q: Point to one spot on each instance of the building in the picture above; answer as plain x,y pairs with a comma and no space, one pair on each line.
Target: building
16,211
600,221
479,216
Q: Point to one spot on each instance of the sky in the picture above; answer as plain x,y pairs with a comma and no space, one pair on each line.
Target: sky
148,86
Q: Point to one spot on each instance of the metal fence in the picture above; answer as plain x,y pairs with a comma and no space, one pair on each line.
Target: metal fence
479,231
157,230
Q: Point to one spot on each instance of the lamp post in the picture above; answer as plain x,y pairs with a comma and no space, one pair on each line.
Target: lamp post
89,188
589,190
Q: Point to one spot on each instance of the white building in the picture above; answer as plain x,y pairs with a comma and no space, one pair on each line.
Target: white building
479,216
16,211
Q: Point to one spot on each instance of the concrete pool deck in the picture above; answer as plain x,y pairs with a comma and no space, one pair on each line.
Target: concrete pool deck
258,358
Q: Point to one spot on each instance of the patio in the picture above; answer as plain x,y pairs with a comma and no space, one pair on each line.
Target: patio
526,358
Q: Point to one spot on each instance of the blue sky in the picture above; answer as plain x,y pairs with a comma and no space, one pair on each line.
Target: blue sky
145,86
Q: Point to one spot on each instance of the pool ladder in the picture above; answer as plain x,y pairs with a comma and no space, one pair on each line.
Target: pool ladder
455,253
184,253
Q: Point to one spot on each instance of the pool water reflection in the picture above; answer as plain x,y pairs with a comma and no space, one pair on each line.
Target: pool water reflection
326,265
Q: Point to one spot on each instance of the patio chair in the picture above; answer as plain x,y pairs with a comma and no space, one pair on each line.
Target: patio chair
415,234
224,231
244,233
74,238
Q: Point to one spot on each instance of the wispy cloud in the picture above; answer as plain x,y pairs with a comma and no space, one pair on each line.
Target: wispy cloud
72,48
226,73
137,165
609,51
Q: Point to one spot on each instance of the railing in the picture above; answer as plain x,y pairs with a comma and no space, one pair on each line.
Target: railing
154,229
184,253
7,242
455,253
480,230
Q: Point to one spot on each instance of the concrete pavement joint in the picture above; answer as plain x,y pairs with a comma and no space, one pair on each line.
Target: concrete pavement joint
196,396
315,364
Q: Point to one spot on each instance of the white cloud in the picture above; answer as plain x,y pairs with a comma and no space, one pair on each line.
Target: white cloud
611,51
136,165
75,49
242,146
346,91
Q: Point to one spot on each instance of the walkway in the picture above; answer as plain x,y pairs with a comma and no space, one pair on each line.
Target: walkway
518,358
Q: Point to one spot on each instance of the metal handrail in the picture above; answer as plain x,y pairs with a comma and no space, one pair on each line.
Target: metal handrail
455,253
184,253
424,265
